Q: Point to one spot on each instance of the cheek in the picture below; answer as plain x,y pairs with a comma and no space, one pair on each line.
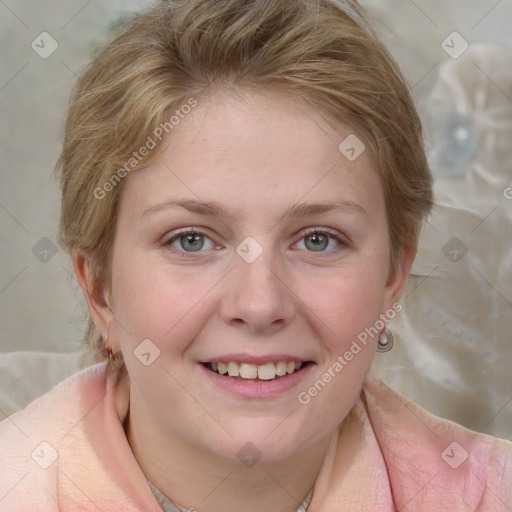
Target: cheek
346,302
345,310
150,301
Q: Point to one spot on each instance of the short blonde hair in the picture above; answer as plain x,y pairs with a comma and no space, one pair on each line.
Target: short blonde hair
162,58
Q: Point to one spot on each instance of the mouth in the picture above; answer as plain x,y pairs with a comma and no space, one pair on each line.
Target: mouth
270,371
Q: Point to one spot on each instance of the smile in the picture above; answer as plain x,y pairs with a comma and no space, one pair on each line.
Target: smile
250,371
256,377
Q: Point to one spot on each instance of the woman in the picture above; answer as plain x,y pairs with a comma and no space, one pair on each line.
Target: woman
243,187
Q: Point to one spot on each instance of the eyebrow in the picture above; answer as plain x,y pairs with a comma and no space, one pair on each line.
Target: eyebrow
294,211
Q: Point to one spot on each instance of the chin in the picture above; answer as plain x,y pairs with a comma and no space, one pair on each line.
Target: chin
269,440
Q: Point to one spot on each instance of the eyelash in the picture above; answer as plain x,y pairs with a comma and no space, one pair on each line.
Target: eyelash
326,231
341,240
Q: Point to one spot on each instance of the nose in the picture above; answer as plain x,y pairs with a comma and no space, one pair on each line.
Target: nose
258,297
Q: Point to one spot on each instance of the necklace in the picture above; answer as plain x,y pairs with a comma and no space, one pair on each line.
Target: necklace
168,506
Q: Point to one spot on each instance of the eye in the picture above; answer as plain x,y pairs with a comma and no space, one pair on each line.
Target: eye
320,240
190,241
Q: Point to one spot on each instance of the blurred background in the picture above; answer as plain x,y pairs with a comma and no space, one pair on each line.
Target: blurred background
453,350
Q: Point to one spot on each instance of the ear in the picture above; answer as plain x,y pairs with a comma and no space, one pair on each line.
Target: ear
94,293
398,276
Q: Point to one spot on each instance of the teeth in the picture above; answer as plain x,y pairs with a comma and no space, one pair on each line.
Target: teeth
233,369
248,371
281,368
267,371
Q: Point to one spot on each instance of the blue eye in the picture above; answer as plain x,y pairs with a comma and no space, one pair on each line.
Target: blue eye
320,241
190,241
316,240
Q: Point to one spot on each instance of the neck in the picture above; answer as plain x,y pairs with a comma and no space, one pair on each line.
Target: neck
192,479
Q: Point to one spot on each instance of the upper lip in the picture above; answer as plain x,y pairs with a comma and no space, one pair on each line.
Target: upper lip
252,359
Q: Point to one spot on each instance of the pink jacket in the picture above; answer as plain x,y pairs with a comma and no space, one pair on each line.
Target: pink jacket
67,451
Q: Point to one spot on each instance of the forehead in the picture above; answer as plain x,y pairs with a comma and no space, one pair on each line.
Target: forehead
262,150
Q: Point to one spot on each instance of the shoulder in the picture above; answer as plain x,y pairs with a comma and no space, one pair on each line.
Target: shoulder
30,439
55,409
68,449
62,403
435,457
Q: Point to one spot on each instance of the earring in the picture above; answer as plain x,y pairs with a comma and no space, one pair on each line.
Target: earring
103,347
114,360
385,341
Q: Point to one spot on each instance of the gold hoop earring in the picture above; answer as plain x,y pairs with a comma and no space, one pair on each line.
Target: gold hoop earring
385,342
114,361
103,347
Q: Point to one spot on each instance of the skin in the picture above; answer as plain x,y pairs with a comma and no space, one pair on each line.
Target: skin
256,155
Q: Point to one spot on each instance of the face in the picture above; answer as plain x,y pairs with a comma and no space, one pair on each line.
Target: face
252,243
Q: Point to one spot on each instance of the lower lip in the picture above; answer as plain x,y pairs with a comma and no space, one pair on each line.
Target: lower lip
258,388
